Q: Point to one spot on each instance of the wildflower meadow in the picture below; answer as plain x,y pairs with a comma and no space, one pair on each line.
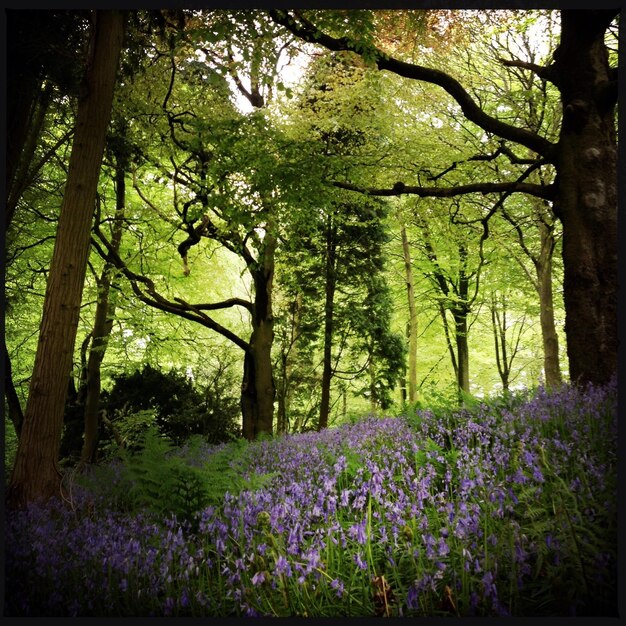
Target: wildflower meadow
505,507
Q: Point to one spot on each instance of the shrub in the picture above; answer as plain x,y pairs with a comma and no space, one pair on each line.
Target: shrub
180,408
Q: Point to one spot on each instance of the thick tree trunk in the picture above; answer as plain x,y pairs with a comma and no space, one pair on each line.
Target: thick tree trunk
412,321
36,474
586,200
103,323
264,381
258,390
329,308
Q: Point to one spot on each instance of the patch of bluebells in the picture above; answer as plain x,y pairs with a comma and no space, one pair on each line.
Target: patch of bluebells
472,515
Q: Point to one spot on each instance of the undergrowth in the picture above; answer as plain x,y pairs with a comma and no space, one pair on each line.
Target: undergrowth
506,508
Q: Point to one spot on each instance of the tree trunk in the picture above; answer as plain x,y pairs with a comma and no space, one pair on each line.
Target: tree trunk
412,322
373,394
103,323
329,307
258,390
586,200
462,351
10,393
248,395
36,473
289,354
20,177
543,267
499,335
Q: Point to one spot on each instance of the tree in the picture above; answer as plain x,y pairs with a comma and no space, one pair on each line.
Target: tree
457,284
225,170
506,349
411,327
43,49
584,192
542,219
335,252
105,305
35,473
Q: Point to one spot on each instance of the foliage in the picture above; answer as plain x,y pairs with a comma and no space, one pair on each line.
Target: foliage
180,408
506,508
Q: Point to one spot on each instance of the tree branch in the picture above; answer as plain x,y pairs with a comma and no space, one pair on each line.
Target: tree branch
151,297
225,304
540,191
543,71
306,30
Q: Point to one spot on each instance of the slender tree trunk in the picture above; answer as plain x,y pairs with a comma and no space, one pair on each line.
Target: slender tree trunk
550,339
499,334
373,394
14,406
103,323
412,322
586,201
36,473
281,396
462,350
329,307
288,355
451,350
21,177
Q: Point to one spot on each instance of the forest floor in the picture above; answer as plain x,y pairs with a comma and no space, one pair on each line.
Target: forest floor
505,508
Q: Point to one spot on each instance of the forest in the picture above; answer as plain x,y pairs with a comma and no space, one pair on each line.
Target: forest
311,312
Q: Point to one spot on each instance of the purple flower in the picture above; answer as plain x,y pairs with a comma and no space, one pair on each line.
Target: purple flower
282,566
358,559
338,586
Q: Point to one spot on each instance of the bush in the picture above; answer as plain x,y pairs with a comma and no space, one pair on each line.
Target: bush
180,408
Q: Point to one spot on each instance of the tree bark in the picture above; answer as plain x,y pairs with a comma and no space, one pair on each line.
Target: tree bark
412,321
586,201
329,307
550,338
103,323
20,176
289,353
36,473
258,390
462,350
14,406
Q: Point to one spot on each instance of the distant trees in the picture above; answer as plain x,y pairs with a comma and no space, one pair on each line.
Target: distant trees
584,157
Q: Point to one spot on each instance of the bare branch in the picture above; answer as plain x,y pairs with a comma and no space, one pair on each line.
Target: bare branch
543,71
